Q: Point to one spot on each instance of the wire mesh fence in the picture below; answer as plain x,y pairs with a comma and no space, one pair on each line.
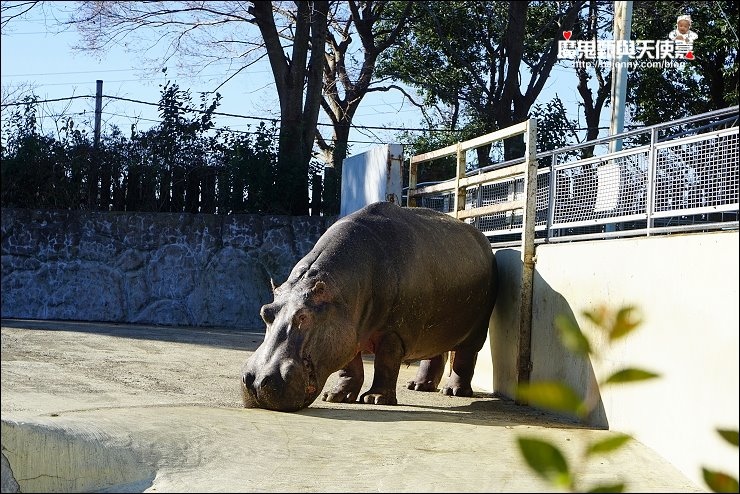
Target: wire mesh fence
678,176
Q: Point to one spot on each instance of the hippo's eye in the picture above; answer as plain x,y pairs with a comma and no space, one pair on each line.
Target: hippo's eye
300,319
268,314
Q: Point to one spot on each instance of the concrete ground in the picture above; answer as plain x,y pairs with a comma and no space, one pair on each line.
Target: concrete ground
122,408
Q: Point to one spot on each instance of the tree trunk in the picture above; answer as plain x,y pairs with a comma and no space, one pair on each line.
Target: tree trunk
333,179
298,118
341,109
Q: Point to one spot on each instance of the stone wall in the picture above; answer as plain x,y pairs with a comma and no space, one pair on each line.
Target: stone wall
156,268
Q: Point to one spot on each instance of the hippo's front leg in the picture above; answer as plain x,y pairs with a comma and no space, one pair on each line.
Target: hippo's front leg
349,384
388,356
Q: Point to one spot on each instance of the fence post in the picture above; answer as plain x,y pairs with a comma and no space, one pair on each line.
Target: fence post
551,197
208,190
331,192
413,177
651,173
460,173
98,110
103,166
524,360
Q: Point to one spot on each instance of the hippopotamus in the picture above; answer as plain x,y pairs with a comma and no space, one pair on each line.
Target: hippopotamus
407,284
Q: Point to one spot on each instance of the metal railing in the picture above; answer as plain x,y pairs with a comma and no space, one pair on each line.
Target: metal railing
677,176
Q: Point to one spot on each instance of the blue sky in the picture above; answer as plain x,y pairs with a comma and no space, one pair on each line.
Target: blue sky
34,53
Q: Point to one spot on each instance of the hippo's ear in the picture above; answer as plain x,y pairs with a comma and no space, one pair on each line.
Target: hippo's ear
319,292
273,285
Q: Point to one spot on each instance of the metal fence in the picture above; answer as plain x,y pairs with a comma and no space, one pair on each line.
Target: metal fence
678,176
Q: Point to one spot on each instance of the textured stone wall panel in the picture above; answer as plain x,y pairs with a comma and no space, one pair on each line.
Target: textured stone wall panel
154,268
249,289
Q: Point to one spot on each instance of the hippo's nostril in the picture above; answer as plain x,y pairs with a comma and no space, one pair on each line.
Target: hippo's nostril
266,385
248,379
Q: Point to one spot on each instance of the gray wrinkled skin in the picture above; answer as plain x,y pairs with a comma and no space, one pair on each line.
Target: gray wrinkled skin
406,284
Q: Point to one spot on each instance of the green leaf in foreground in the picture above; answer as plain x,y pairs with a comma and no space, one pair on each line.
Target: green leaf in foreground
598,316
608,488
627,319
546,460
719,481
728,435
608,445
571,335
551,395
630,375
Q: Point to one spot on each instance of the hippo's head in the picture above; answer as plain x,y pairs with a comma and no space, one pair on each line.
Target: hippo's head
308,337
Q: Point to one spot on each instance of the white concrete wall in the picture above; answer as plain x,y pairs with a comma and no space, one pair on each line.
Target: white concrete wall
370,177
686,287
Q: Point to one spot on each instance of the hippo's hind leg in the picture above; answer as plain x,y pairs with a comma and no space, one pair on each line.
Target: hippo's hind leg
462,365
349,383
463,358
429,374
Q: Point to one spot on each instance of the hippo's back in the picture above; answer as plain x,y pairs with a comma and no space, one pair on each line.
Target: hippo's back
412,235
420,270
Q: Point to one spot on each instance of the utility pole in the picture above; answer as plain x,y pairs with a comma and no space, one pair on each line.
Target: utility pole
94,174
98,110
622,31
609,172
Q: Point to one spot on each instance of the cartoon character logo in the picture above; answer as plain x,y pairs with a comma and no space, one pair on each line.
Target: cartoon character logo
683,36
683,30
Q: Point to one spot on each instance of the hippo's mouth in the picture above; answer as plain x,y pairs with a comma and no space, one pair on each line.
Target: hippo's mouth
312,384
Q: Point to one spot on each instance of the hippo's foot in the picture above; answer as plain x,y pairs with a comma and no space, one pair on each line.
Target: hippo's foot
345,391
388,355
421,386
429,374
349,383
462,364
457,391
379,397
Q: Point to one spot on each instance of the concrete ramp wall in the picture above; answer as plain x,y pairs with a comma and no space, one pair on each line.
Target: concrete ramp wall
686,287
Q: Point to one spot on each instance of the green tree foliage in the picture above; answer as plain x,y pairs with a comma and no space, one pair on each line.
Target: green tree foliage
554,129
469,57
181,164
433,170
36,169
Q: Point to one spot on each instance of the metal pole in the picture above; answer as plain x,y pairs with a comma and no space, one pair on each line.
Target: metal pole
98,110
93,175
622,31
524,356
459,202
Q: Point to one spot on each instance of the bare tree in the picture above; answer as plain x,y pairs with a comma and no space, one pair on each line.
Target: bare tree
349,75
298,117
291,35
586,70
13,92
14,10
